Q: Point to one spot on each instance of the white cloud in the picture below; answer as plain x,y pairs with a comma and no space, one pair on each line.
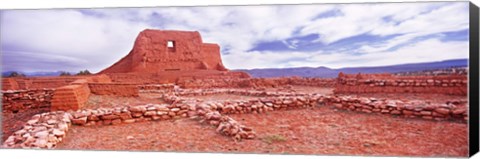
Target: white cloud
51,33
96,41
262,59
424,51
405,18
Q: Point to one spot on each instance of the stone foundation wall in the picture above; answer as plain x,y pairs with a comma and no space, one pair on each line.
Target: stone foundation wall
318,82
256,82
129,114
158,88
386,83
116,89
453,110
19,100
268,101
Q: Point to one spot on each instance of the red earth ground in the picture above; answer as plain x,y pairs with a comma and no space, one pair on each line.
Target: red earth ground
321,130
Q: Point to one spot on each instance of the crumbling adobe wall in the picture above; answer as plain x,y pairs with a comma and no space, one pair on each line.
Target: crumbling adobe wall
150,53
16,83
71,97
317,82
116,89
255,82
172,76
19,100
212,62
158,88
102,78
48,82
23,83
9,84
387,83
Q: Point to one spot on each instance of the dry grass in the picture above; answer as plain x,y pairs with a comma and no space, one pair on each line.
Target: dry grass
270,139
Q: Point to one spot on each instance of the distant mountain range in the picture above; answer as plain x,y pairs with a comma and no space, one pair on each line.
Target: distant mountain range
326,72
320,71
57,73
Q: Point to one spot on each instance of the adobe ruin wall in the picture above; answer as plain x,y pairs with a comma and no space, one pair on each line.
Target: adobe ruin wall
257,82
388,83
115,89
172,76
25,83
71,97
169,50
20,100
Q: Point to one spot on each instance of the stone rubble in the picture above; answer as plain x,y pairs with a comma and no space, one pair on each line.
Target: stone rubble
19,100
43,131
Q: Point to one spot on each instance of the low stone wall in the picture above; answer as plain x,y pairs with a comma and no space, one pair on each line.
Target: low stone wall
318,82
152,112
455,110
71,97
224,124
129,114
387,83
41,131
257,93
158,88
19,100
116,89
213,83
268,101
256,82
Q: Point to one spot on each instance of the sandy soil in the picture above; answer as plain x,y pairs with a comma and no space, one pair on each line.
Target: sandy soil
299,89
306,89
102,101
323,130
221,97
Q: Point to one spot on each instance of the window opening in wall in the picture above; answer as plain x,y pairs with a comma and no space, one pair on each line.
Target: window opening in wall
171,45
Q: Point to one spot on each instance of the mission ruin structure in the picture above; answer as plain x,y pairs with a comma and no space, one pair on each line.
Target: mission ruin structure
178,65
156,50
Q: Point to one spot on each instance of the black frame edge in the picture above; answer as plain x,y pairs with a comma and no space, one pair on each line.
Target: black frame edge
473,80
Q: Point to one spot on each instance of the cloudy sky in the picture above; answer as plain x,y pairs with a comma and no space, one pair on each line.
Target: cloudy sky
331,35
